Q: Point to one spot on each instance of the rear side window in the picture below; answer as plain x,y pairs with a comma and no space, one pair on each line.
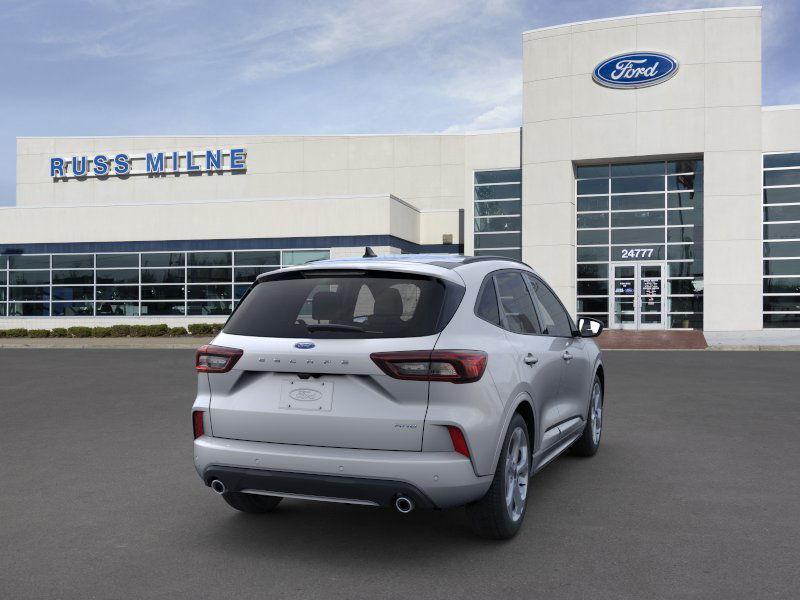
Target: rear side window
555,320
486,307
351,305
516,305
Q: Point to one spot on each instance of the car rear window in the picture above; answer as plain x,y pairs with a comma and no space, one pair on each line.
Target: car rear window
360,304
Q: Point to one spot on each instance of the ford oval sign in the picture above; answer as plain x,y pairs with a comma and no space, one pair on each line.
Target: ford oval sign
635,70
304,345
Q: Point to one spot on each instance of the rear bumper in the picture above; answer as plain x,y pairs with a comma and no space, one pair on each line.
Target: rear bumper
432,479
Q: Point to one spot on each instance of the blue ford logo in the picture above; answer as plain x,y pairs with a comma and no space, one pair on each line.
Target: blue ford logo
635,70
304,345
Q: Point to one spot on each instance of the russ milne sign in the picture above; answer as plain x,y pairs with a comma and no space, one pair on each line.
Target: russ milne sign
151,163
635,70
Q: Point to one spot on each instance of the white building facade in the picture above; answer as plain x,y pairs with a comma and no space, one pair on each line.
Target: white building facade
647,183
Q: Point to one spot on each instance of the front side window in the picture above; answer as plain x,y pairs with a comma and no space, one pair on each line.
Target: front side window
515,303
555,320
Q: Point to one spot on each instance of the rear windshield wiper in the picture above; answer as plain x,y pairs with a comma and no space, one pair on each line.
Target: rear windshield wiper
335,327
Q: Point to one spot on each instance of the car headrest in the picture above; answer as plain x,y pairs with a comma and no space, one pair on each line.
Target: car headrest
389,303
325,306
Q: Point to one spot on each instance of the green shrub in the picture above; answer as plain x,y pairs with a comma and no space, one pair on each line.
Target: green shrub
2,333
120,330
201,329
80,332
157,330
17,332
177,331
217,327
138,330
101,332
38,333
59,332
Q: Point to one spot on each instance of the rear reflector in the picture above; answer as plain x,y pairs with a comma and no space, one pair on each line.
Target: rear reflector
459,443
455,366
216,359
197,423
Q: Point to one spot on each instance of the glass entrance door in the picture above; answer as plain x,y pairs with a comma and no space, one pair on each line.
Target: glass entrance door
637,295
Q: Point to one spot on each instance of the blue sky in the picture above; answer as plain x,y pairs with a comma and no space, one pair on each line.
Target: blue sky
152,67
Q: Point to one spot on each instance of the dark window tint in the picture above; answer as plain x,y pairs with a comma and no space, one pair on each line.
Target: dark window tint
592,254
486,307
258,257
638,252
782,267
28,277
117,292
118,276
791,159
592,271
497,192
684,200
684,286
209,259
788,177
162,292
73,261
29,309
592,236
497,240
782,303
592,288
249,274
680,269
162,308
117,260
637,184
684,166
498,176
117,309
369,305
782,195
652,168
592,304
83,292
637,202
593,186
588,171
209,292
209,308
684,182
163,275
788,320
782,231
163,259
516,305
680,234
499,207
29,293
585,204
782,249
497,224
637,218
679,252
782,213
209,275
782,285
637,236
73,277
592,220
29,262
684,217
72,309
554,318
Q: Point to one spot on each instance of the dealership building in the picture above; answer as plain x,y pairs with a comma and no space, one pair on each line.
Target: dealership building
646,183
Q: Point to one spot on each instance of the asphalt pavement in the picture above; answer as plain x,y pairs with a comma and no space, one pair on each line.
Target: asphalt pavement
695,493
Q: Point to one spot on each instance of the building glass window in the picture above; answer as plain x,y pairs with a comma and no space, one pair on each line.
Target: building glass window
781,247
131,284
497,223
645,212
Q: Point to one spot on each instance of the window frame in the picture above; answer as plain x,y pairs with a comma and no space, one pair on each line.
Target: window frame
573,327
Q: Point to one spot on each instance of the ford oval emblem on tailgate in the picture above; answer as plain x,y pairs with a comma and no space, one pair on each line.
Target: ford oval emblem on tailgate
304,345
305,395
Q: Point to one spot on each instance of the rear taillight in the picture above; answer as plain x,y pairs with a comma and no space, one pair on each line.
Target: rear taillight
455,366
197,423
459,443
216,359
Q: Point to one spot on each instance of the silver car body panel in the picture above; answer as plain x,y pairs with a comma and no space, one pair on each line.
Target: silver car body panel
381,427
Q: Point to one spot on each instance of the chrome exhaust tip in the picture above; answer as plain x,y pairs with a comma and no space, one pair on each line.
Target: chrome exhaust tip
218,486
404,504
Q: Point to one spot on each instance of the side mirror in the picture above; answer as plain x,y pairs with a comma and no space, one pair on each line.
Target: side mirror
589,328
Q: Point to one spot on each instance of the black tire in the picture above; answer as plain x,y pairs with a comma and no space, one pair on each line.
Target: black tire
589,442
490,517
251,503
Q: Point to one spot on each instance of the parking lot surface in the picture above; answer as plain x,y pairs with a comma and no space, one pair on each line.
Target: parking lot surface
695,493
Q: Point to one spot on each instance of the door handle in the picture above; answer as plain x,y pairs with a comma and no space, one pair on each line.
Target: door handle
566,356
530,359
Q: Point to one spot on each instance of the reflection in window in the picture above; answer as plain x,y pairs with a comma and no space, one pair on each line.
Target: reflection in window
497,208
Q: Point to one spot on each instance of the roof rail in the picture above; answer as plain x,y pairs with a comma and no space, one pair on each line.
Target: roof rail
472,259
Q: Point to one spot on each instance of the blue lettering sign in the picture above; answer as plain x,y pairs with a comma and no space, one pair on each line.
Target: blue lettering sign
79,166
237,159
56,167
213,160
176,162
190,166
635,70
154,163
123,165
100,164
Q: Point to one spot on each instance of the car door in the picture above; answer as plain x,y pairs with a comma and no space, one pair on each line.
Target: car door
573,396
538,358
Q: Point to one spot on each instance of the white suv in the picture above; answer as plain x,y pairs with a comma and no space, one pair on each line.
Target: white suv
425,381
